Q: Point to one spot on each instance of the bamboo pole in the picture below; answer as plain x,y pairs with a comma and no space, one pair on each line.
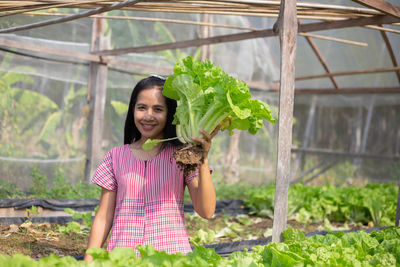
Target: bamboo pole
300,6
391,53
177,21
261,13
321,59
380,28
346,73
69,18
382,6
49,50
245,12
353,22
370,90
334,39
44,58
319,151
42,7
191,4
314,5
384,29
194,5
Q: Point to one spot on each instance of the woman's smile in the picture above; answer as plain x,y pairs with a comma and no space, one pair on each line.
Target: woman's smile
148,127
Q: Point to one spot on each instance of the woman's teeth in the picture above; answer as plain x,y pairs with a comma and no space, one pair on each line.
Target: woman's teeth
148,126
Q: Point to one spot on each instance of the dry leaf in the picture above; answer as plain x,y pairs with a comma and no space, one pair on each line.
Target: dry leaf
44,224
13,228
26,225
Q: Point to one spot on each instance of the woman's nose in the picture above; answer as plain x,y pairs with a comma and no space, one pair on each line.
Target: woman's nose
149,114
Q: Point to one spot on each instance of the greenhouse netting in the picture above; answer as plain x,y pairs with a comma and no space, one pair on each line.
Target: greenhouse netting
44,108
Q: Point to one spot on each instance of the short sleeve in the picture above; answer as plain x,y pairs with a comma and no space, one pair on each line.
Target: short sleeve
104,175
193,175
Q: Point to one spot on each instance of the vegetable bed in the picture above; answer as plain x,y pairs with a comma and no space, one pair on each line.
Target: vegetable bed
379,248
311,209
41,239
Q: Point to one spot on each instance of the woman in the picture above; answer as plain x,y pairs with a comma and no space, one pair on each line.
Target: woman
142,191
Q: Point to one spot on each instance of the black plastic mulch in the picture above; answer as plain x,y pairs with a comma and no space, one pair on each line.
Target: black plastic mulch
233,206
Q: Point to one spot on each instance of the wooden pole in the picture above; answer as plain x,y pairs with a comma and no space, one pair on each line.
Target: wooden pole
205,33
309,129
366,130
391,52
398,206
231,172
306,138
96,98
287,28
356,146
392,69
381,5
319,151
372,90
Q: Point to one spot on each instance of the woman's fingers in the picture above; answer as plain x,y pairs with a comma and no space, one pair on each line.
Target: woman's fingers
208,136
206,140
216,130
199,140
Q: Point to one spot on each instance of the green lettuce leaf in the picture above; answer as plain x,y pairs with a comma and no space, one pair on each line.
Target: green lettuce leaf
208,96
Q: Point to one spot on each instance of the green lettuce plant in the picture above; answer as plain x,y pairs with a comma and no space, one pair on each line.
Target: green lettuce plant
379,248
208,96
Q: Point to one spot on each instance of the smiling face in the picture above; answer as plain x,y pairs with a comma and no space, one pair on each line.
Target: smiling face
150,113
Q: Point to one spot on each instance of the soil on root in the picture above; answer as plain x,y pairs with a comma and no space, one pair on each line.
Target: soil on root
189,158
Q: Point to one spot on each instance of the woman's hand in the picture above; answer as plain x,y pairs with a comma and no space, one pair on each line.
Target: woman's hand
206,140
201,188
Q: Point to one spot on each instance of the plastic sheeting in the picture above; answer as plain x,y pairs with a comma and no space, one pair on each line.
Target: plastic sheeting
53,204
233,206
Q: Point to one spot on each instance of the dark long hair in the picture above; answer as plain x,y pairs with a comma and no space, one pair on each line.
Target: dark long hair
131,133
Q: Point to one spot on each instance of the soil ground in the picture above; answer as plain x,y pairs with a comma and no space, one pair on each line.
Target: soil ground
42,239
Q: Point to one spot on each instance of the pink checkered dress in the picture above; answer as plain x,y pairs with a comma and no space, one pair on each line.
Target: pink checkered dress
149,201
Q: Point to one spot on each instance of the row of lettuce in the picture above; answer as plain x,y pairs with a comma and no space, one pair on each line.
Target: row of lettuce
373,203
378,248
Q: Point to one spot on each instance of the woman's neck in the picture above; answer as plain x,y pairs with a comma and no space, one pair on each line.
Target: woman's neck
139,152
